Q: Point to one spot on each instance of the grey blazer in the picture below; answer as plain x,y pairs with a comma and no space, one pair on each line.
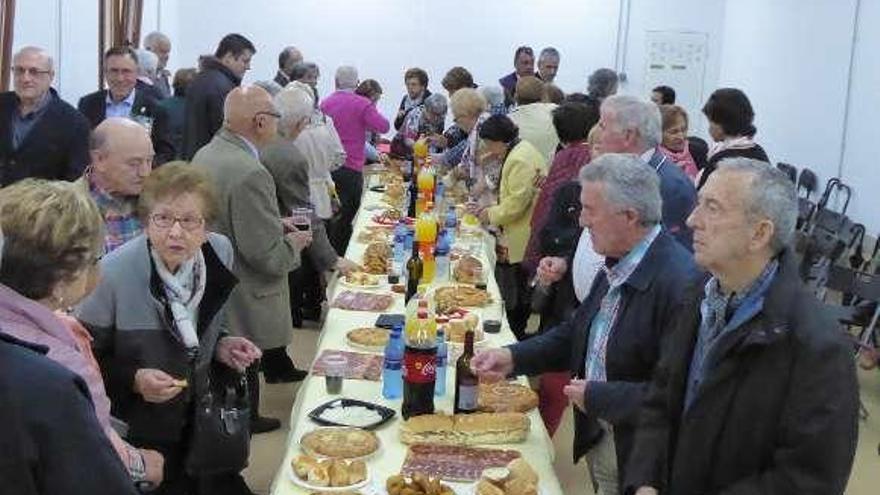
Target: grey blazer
248,215
290,169
133,328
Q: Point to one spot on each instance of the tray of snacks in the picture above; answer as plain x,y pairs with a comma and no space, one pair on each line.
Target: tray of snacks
376,233
517,478
506,397
368,338
328,475
416,484
458,326
358,365
453,462
363,301
353,413
388,217
452,297
466,429
377,257
339,442
360,280
467,269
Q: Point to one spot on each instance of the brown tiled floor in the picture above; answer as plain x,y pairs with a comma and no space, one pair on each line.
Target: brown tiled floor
268,449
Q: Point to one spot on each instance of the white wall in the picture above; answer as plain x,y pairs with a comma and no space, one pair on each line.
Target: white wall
384,37
859,166
791,57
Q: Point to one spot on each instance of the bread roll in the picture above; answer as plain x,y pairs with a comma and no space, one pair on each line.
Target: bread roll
486,488
520,487
319,475
522,470
357,472
302,464
466,429
338,474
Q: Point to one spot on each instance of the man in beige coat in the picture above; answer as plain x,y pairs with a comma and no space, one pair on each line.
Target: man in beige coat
248,215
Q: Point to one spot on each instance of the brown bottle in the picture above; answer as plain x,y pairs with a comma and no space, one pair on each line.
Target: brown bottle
414,269
466,382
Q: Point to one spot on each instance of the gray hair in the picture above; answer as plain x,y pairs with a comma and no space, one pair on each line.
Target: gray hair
602,83
294,105
436,104
346,77
628,184
301,69
637,114
771,195
155,37
549,52
494,95
35,50
148,63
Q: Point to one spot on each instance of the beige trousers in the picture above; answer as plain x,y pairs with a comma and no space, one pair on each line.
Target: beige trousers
602,460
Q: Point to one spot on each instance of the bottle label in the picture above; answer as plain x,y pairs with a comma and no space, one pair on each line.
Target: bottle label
392,364
419,368
467,397
441,360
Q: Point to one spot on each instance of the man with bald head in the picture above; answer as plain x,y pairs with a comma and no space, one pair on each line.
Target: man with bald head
265,252
41,135
121,159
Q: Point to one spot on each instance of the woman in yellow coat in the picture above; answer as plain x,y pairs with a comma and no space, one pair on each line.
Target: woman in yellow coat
522,168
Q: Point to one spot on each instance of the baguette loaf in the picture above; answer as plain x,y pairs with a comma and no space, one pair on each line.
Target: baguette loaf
466,429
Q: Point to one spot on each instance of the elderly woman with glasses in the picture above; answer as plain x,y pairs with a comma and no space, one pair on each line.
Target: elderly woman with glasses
158,318
424,121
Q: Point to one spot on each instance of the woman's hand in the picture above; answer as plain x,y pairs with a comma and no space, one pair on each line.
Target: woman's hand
237,352
346,266
156,386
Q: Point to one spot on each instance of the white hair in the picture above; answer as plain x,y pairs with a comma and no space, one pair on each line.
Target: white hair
770,196
346,77
154,38
642,116
436,104
35,50
628,184
148,63
294,105
494,95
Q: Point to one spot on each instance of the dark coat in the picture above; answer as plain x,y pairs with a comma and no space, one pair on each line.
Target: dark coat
398,120
679,197
651,296
94,107
205,97
51,441
57,148
776,414
131,322
756,152
559,237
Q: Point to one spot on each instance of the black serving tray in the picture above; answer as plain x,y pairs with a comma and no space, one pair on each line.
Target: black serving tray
386,413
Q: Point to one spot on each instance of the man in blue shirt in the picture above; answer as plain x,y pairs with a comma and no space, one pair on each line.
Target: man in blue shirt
756,391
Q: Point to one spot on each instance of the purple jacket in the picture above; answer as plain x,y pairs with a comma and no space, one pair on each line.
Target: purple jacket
353,115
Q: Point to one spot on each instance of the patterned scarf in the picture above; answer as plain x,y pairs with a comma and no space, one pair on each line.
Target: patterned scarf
683,158
184,291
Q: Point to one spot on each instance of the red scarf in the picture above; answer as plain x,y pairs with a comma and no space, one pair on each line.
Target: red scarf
683,158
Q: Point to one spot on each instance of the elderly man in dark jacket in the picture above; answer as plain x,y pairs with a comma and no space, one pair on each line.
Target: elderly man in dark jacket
207,92
612,341
41,135
756,392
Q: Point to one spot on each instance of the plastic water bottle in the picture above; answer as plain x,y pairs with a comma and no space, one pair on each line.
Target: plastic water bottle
442,358
399,242
441,257
392,378
408,241
451,224
439,197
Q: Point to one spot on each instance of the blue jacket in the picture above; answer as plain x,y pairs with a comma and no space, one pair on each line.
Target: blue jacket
650,298
679,197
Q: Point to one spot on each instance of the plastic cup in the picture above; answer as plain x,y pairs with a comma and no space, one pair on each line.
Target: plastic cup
334,373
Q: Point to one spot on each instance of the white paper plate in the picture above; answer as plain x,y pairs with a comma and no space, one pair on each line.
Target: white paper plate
326,489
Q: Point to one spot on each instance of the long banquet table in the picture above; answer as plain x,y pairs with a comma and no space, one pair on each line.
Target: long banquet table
537,449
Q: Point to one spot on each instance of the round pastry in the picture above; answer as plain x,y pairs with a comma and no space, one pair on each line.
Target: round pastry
340,443
371,337
506,397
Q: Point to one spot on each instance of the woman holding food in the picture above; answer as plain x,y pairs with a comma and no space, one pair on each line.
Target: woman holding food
53,237
522,167
159,324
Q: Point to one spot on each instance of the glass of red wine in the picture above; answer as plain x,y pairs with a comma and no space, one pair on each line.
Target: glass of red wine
301,218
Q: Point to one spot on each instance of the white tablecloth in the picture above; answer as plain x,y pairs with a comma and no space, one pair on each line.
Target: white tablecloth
537,450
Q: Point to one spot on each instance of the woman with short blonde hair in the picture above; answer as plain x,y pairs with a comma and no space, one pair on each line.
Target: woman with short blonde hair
54,234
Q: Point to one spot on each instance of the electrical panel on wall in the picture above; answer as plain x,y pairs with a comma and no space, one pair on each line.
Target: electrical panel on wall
678,59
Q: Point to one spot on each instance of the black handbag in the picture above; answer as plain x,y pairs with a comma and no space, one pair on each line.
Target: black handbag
510,285
220,432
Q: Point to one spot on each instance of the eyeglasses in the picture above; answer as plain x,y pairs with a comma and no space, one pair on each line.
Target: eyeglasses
165,221
31,71
271,114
